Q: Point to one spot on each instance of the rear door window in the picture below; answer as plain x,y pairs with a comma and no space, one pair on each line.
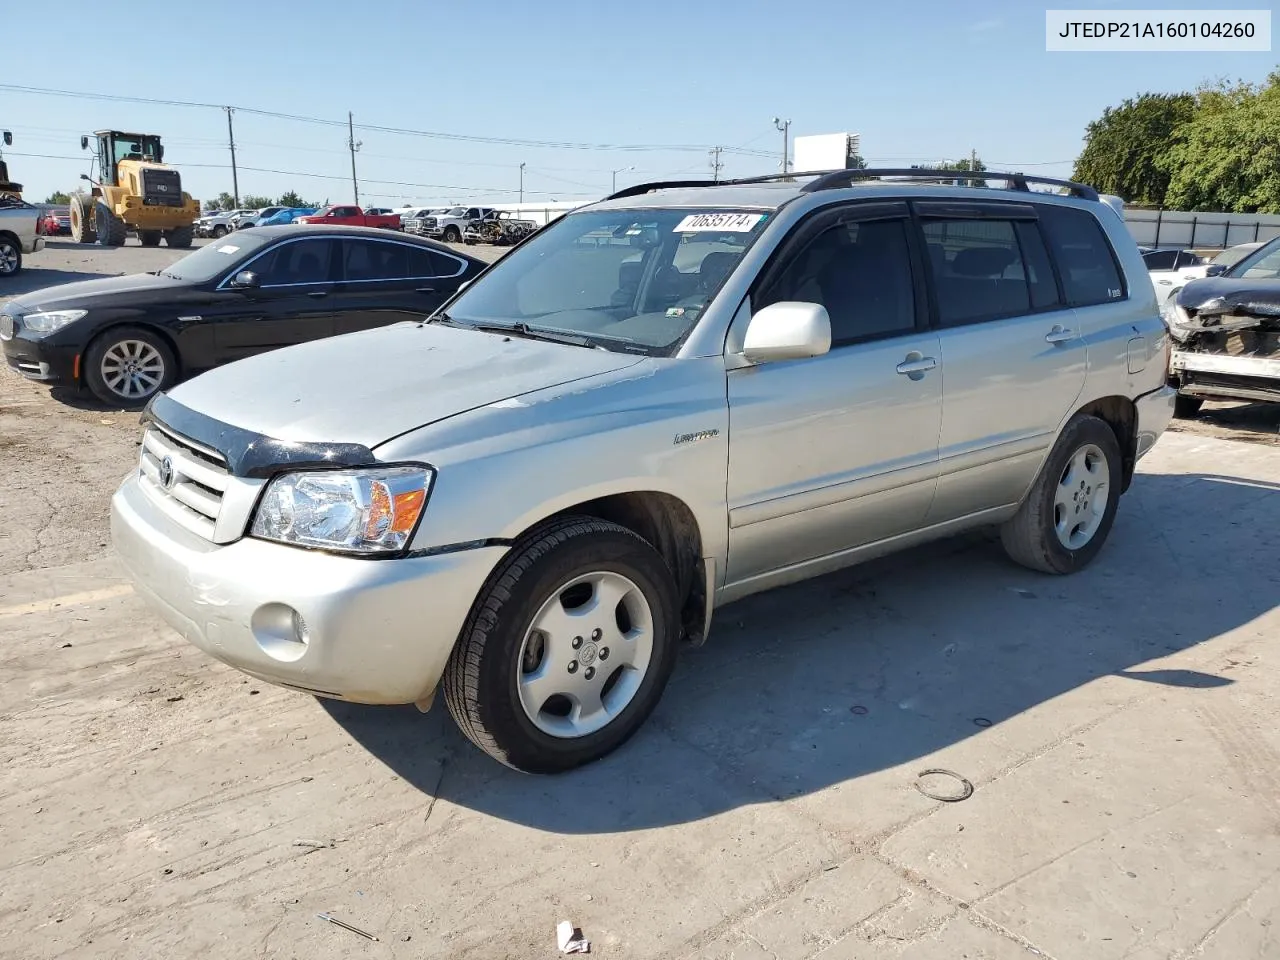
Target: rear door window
981,271
376,260
1086,262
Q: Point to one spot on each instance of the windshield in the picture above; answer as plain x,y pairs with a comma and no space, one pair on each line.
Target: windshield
210,261
639,277
1261,264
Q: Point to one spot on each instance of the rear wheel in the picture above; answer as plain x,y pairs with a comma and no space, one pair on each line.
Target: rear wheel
1185,407
150,238
82,219
111,229
568,647
10,257
180,237
127,366
1066,517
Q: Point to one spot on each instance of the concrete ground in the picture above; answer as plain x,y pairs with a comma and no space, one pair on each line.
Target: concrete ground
1119,729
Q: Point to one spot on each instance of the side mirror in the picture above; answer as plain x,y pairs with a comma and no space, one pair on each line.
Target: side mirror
84,143
84,176
1215,270
8,139
246,280
789,330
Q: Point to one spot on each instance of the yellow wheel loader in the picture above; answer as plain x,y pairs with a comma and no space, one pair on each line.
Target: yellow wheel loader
137,191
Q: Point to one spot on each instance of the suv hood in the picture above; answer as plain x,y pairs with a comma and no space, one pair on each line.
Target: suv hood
371,386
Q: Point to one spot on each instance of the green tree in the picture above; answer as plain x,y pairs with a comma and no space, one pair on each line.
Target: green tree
256,202
1227,157
292,199
225,201
1125,149
59,198
975,164
856,162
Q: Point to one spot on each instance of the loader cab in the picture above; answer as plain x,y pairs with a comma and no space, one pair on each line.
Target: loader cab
113,147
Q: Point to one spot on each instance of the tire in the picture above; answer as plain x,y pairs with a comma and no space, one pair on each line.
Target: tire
1186,407
120,344
179,238
149,238
219,232
499,646
1032,537
451,235
10,257
110,228
82,219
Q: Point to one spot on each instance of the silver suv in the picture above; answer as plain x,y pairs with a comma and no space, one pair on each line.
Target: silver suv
658,404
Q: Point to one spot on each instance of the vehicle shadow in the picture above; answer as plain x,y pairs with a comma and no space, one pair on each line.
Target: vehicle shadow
880,665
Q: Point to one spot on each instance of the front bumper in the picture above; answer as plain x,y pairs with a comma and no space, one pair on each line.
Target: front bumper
40,360
1226,376
378,631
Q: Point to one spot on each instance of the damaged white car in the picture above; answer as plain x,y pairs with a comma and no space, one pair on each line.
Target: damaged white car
1226,331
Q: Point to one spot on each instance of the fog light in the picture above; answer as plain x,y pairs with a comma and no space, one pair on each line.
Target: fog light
281,631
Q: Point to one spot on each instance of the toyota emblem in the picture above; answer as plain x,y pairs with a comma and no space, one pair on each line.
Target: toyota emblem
166,473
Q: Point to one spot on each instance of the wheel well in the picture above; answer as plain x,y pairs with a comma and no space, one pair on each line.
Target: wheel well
1121,416
156,331
667,523
7,235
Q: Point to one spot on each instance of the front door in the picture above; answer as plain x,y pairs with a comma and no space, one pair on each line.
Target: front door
837,451
293,302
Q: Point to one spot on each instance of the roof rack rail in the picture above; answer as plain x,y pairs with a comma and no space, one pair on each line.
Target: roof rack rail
835,179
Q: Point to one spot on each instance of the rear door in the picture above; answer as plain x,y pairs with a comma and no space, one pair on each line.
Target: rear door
1011,346
388,281
292,304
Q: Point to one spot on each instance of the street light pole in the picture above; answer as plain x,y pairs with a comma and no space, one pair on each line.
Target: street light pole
785,127
615,177
522,183
231,141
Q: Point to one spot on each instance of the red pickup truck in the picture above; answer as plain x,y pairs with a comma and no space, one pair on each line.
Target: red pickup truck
352,216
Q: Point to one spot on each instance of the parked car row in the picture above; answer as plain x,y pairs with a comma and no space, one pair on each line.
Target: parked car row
127,338
1172,268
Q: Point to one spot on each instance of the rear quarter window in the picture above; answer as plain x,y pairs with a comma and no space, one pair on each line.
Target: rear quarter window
1087,264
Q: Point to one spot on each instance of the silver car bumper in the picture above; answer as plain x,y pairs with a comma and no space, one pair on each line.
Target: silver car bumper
376,631
1155,411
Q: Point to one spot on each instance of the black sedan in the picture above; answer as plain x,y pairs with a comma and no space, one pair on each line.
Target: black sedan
127,338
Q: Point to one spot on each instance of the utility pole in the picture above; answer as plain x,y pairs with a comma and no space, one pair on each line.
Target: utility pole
353,145
522,183
785,127
716,165
231,141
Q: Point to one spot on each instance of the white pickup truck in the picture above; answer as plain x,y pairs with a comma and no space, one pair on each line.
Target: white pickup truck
19,233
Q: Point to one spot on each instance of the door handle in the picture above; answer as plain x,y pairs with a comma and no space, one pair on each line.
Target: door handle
916,366
317,294
425,290
1059,334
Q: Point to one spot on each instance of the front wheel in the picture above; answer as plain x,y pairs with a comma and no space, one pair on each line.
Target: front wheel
127,366
1066,517
451,235
568,647
219,232
1185,407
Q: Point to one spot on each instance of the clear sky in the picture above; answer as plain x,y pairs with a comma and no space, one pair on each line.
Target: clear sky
919,81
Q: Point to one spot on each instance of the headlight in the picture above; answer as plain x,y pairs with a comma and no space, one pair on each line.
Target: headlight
51,320
361,511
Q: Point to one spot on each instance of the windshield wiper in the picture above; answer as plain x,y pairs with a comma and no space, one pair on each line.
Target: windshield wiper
522,329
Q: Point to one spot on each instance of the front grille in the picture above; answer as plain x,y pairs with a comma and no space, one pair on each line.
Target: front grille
162,188
429,223
185,479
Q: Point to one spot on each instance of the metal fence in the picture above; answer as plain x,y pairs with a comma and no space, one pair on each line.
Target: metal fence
1201,231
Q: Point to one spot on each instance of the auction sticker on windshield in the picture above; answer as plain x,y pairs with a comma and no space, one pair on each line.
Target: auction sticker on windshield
228,249
728,222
